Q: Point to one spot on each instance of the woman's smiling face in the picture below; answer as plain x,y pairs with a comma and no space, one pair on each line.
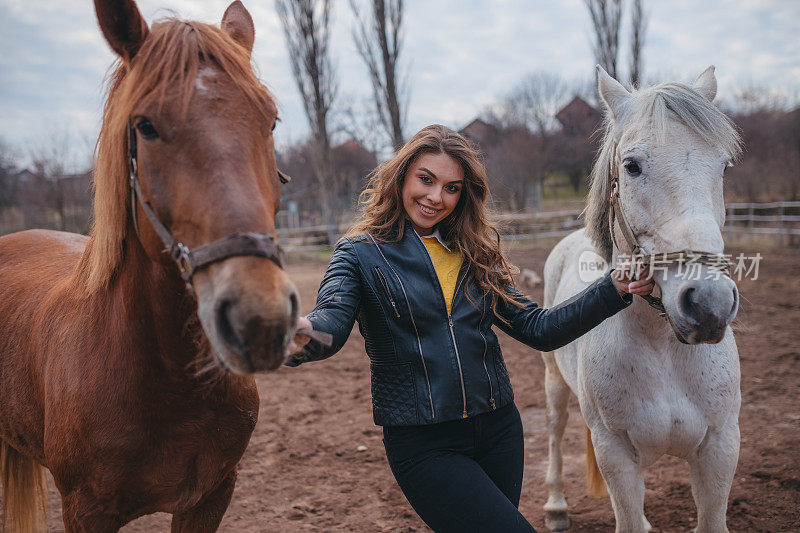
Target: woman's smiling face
431,190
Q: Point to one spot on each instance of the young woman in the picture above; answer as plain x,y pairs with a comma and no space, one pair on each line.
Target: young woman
423,273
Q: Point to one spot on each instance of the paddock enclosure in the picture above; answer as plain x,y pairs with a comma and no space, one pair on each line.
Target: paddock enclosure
303,470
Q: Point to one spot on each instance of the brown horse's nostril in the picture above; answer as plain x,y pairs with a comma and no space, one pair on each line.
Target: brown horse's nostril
225,325
294,306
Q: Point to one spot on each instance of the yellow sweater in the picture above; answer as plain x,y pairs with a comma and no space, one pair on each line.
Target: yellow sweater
447,264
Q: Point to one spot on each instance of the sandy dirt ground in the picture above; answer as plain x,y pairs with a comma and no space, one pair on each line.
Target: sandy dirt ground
304,470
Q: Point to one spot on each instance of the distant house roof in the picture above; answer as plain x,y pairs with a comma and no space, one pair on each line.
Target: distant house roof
24,175
353,157
480,132
351,146
77,176
578,117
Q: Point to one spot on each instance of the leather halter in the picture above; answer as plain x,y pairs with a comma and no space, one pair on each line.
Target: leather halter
188,260
717,261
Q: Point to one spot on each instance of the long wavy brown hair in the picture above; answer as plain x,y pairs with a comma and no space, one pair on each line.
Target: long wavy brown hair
468,228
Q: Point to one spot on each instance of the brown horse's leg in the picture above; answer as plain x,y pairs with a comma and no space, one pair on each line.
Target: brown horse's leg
207,514
83,515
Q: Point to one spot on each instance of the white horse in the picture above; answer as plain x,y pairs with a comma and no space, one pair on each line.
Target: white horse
647,384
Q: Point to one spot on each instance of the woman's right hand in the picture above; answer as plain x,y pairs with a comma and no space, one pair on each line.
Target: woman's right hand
299,341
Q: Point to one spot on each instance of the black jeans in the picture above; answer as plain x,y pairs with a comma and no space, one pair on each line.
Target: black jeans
463,475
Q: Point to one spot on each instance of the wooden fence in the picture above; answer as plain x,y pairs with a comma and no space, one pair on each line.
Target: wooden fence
780,219
777,220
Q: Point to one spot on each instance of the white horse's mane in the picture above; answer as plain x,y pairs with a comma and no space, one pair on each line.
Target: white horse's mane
651,111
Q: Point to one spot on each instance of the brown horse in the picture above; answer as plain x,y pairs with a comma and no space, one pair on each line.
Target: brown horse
102,341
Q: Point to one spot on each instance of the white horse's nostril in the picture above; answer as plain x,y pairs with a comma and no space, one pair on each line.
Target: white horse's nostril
707,308
688,303
734,305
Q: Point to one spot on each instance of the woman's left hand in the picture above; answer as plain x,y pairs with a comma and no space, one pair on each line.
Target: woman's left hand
621,276
299,340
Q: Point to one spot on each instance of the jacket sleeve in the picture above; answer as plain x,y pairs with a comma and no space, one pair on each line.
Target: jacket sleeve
550,329
338,300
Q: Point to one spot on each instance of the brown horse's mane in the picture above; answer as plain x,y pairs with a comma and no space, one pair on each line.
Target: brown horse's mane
165,67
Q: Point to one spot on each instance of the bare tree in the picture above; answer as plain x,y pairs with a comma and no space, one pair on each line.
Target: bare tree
534,102
379,40
357,119
55,158
606,16
750,97
307,28
638,30
526,117
351,162
770,167
514,163
8,167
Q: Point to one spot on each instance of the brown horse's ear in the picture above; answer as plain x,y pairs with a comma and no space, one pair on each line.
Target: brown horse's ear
122,25
238,23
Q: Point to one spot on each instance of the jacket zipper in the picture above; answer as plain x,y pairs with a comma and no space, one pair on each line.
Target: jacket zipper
455,346
492,403
413,323
385,284
450,324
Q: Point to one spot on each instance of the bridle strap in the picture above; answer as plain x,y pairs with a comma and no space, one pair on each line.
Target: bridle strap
615,212
190,261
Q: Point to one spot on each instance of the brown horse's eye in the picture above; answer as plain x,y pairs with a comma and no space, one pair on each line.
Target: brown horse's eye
147,130
273,125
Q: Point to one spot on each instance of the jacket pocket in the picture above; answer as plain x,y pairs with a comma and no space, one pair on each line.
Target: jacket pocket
503,380
384,284
394,395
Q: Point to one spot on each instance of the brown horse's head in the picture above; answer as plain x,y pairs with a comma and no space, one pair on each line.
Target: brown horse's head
203,125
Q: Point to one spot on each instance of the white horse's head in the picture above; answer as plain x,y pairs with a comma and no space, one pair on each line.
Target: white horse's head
669,146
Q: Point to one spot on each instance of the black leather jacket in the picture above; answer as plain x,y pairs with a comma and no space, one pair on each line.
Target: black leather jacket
426,366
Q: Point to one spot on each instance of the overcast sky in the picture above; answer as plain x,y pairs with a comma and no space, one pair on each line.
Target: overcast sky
460,55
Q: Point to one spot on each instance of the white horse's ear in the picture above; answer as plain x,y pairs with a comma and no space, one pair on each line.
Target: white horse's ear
611,91
706,84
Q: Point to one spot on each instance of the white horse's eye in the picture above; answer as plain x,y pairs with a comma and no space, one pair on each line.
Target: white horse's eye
632,167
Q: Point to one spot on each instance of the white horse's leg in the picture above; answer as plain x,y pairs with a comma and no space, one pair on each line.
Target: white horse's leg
712,475
557,390
624,478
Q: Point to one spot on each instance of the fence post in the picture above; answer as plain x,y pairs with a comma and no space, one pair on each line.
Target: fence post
781,225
